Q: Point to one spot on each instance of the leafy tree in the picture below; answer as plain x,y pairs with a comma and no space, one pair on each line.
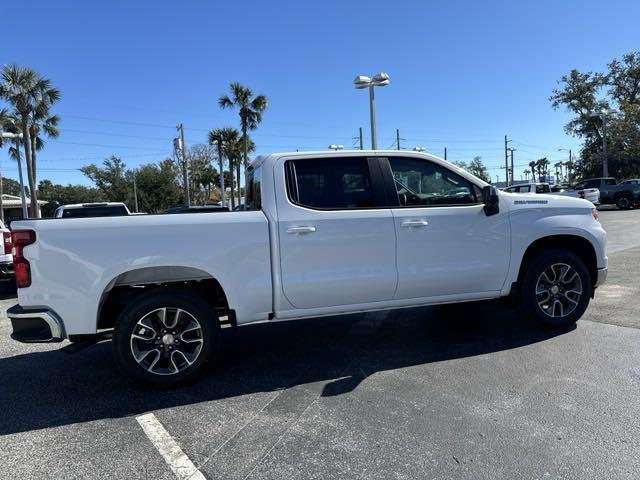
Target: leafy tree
250,109
110,180
156,185
202,174
31,97
586,94
475,167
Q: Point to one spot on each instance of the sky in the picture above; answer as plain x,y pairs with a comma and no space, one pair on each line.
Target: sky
463,73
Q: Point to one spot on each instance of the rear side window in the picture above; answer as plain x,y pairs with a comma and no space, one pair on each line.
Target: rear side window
543,189
338,183
254,193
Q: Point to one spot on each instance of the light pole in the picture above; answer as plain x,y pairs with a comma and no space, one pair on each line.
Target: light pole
568,165
604,115
336,147
16,137
379,80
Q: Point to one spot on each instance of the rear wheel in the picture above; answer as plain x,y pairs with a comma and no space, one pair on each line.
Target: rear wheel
165,337
624,202
556,288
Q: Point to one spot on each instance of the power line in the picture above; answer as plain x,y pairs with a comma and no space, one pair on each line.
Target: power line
107,146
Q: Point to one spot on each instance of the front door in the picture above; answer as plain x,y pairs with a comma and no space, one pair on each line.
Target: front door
337,243
447,245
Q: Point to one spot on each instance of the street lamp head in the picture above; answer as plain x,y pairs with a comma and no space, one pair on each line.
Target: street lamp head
10,135
362,81
381,80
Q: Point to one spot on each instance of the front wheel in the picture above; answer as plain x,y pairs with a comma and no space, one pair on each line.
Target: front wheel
165,337
556,288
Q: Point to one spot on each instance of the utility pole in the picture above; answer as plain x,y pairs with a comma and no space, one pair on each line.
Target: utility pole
445,153
360,135
506,160
512,176
398,138
135,192
185,172
570,167
605,158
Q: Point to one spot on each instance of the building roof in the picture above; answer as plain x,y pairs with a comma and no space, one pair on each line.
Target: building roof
9,201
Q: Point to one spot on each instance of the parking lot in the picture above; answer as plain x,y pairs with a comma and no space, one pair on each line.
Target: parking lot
464,391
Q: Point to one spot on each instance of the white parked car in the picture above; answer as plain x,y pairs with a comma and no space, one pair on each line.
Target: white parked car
323,233
84,210
591,194
6,256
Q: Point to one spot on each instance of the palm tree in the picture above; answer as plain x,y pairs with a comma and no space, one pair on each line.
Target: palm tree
223,138
542,165
235,150
526,174
31,96
42,122
250,111
532,166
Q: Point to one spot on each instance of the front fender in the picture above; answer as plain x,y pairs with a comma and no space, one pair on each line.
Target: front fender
531,225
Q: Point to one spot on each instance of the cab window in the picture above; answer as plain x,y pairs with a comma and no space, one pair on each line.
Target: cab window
336,183
421,183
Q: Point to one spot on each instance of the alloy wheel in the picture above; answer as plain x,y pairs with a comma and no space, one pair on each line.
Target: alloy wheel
558,290
166,341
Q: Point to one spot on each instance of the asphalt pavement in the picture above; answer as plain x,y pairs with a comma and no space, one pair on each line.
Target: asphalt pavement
467,391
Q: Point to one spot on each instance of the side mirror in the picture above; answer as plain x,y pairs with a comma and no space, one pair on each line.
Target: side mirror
491,200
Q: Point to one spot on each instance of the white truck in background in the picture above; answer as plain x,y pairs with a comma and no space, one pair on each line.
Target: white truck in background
323,233
591,194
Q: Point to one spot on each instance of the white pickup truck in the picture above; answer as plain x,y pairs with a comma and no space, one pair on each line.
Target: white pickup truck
323,233
591,194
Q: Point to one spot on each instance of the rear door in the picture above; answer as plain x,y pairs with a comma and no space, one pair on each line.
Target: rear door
337,239
447,245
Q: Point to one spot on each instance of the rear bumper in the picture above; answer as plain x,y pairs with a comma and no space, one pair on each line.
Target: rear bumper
35,325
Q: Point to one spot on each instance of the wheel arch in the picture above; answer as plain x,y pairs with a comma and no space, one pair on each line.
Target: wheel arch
127,286
576,244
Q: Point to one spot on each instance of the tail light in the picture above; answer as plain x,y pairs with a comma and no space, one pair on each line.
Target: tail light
21,267
8,244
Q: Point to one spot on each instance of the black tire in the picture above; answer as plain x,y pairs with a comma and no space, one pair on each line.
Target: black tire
624,202
547,311
199,321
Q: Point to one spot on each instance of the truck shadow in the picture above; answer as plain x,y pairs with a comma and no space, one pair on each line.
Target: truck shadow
48,389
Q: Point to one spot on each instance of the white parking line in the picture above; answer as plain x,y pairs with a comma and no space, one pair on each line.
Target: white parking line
168,448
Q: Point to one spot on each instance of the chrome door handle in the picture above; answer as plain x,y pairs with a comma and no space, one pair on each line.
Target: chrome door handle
414,223
306,229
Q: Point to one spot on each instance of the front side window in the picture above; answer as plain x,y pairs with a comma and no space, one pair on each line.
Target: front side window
338,183
542,188
424,183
